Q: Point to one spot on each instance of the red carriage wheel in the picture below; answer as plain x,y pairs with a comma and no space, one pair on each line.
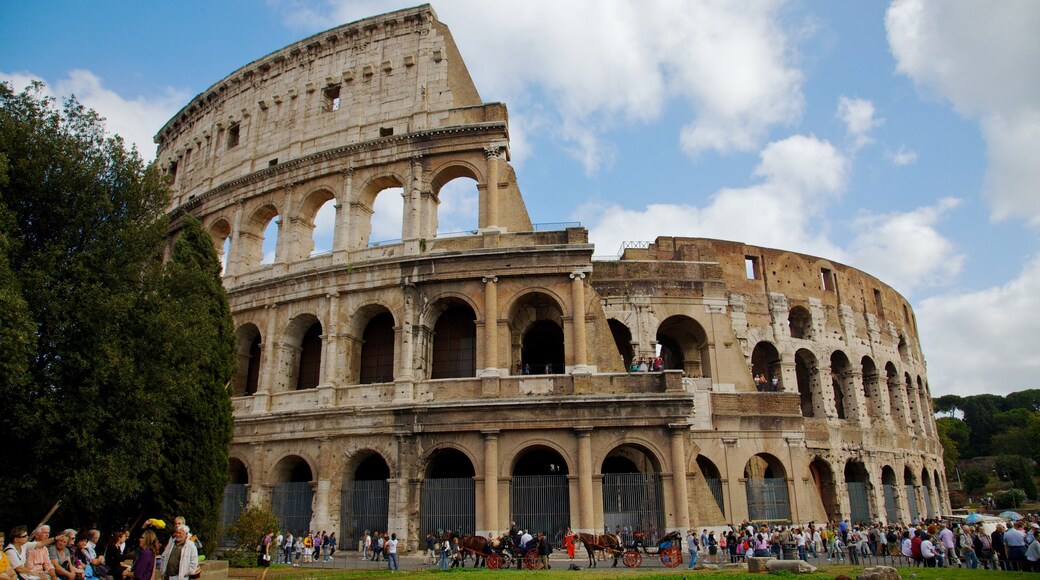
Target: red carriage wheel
671,557
632,558
494,562
532,561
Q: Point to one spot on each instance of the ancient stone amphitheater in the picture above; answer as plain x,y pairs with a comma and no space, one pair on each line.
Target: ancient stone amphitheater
464,381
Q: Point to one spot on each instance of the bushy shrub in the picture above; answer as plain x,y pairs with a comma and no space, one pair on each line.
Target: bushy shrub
1009,498
238,558
251,526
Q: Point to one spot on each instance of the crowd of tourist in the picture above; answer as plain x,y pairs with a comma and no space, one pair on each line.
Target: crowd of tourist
81,555
285,548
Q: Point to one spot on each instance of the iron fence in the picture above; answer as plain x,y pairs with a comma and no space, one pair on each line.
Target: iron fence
448,504
927,503
232,506
632,503
859,504
768,499
715,485
890,504
291,504
365,505
541,503
911,500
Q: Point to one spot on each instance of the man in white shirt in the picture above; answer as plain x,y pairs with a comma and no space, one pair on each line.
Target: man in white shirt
391,553
17,549
946,538
928,552
525,538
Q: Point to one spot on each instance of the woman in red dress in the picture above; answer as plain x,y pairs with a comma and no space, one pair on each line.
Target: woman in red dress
568,542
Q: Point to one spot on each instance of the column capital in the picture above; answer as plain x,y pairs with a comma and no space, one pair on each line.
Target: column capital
678,428
489,278
490,433
584,431
579,275
492,151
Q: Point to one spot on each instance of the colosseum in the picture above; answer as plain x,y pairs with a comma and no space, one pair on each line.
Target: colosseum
465,381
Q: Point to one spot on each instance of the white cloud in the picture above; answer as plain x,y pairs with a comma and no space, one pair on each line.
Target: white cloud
902,157
905,249
981,341
459,208
135,119
387,216
858,116
984,62
800,175
607,62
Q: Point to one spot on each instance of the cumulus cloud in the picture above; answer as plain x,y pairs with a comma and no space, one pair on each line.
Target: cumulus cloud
902,157
978,341
905,249
606,62
136,119
799,176
984,63
858,116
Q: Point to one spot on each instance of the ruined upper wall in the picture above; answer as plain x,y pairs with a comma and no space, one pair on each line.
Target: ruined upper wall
393,74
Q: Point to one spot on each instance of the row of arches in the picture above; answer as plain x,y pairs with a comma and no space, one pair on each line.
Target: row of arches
801,326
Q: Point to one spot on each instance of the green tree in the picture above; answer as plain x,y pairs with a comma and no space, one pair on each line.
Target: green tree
980,413
1018,470
951,453
115,373
974,480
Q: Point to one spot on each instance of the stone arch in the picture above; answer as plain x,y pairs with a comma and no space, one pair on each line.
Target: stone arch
924,399
874,399
456,187
304,220
220,230
903,349
888,484
939,495
926,491
841,384
249,354
684,346
302,348
375,357
236,494
827,491
765,361
292,492
808,374
799,321
622,335
536,331
857,483
238,470
251,237
765,481
713,478
895,392
451,335
633,493
539,493
910,487
447,499
365,211
365,496
911,402
454,169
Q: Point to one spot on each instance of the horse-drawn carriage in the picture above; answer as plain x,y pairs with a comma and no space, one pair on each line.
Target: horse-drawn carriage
668,548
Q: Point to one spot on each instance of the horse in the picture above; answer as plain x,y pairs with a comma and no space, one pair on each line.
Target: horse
603,542
478,545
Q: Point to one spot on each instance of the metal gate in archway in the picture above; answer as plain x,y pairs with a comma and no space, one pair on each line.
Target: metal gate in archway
715,485
365,506
633,502
911,501
232,506
291,504
890,504
768,499
448,504
928,503
541,503
859,504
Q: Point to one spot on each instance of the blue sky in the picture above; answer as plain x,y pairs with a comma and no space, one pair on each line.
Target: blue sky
901,138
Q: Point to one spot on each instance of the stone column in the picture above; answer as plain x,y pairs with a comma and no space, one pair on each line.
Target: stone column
268,368
491,523
900,410
492,154
412,199
585,522
855,399
284,249
320,505
580,341
491,361
682,508
233,267
404,377
330,350
341,232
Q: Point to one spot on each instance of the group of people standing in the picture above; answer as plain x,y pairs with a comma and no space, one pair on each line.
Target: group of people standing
285,548
78,555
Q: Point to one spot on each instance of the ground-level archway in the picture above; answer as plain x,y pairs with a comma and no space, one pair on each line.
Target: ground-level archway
448,497
713,478
633,496
235,496
765,481
911,494
365,499
539,495
888,483
857,482
823,479
292,494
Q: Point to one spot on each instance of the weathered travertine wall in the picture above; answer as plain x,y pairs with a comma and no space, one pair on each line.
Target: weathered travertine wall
499,357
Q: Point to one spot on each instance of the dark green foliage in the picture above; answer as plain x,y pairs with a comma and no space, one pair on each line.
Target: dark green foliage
109,369
990,424
1018,470
974,480
251,526
951,451
1009,499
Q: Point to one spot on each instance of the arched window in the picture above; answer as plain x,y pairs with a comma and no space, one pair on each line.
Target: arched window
377,350
536,325
807,374
622,340
800,323
309,372
766,486
684,346
247,378
455,343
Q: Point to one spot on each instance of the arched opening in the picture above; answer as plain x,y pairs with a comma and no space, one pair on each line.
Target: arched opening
235,496
220,231
713,478
888,483
448,497
904,352
309,372
806,372
322,228
259,237
684,346
937,481
926,491
911,402
269,242
247,376
857,481
292,494
765,363
909,485
536,327
841,381
927,417
633,496
365,499
800,323
539,495
873,399
387,220
458,202
454,352
823,478
894,389
622,340
377,350
765,481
